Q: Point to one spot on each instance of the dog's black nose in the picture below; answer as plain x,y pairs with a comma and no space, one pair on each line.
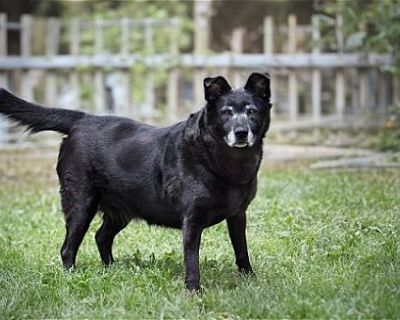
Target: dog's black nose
241,133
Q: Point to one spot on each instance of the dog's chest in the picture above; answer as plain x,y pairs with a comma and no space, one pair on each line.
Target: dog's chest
224,204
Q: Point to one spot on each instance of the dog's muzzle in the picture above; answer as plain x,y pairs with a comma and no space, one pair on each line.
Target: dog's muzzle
240,137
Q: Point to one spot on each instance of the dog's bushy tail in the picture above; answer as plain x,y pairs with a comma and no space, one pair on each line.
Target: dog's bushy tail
36,117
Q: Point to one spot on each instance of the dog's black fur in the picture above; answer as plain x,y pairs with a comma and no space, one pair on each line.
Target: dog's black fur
190,175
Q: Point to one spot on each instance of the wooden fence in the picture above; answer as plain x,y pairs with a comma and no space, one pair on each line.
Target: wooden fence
313,83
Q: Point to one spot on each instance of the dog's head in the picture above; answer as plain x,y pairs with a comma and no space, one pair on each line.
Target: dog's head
238,117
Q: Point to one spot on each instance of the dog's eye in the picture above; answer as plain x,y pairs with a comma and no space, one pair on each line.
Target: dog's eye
227,111
251,110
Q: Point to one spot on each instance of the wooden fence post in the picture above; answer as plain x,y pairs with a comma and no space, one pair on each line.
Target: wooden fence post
201,41
52,39
149,89
340,89
99,92
3,48
237,48
269,51
316,85
268,35
74,51
363,88
173,76
26,51
293,94
3,75
125,73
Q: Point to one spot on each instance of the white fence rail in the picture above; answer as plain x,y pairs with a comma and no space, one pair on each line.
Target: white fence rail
311,86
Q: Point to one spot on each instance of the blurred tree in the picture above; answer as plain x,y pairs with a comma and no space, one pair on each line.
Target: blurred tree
374,26
370,25
228,14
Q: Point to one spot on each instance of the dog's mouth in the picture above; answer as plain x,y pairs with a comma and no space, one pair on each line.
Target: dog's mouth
241,145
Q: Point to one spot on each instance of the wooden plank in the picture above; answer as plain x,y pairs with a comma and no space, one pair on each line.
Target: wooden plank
293,97
3,34
292,79
99,93
237,48
363,89
292,39
26,51
125,74
150,98
74,30
201,14
52,40
99,37
3,47
74,33
52,36
268,46
268,35
316,85
124,45
382,92
173,78
3,75
339,33
245,61
26,35
340,93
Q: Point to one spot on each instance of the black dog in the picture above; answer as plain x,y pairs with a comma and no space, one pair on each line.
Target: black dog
191,175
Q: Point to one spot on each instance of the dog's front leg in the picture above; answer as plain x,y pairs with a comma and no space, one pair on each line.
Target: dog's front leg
191,247
237,233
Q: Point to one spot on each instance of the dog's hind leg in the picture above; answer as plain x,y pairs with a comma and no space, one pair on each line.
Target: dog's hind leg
79,209
106,234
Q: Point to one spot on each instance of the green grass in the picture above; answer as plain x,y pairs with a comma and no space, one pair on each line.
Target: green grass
323,244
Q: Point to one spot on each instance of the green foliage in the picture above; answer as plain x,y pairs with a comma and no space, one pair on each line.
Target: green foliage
388,139
371,25
323,245
90,10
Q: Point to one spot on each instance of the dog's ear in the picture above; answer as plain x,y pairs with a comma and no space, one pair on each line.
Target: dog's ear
215,87
258,85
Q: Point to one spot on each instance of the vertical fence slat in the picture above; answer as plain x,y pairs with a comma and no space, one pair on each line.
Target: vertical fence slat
293,94
124,45
125,74
237,48
3,75
340,93
99,92
363,88
383,92
3,48
26,51
173,77
340,89
74,30
3,34
201,43
99,36
316,85
149,89
268,35
268,45
52,39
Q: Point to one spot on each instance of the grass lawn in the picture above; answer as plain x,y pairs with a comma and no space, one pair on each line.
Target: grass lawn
323,244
